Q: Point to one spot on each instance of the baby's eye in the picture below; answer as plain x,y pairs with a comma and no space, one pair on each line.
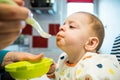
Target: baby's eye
72,27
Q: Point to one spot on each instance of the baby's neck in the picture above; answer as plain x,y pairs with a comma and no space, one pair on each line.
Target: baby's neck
74,58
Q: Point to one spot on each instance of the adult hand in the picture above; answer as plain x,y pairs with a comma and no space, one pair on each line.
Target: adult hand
11,57
10,22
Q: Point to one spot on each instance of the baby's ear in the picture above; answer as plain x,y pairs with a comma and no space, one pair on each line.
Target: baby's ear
91,44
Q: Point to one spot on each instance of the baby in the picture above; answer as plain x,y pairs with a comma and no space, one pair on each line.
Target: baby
80,37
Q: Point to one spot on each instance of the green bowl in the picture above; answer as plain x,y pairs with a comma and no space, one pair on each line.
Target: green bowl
28,70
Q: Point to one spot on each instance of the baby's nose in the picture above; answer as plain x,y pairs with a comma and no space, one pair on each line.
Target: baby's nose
62,28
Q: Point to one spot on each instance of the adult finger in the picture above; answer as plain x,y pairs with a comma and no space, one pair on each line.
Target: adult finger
8,38
19,2
36,57
11,12
11,26
31,57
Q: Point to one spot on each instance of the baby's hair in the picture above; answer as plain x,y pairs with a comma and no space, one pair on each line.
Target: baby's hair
97,27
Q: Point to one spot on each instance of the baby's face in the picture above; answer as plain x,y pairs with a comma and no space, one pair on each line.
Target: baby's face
74,32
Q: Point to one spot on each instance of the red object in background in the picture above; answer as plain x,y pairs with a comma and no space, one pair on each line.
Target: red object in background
84,1
53,29
27,30
39,42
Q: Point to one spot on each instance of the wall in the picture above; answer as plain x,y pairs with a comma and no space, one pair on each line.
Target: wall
109,13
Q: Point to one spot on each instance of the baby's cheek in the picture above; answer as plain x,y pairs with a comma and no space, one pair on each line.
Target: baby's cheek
63,41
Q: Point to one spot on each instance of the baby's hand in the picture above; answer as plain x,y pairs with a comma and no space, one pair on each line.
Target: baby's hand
52,68
51,71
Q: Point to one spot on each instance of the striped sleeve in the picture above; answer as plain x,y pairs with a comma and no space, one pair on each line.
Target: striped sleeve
116,48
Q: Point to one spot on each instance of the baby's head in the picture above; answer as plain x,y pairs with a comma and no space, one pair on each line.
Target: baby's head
97,28
81,30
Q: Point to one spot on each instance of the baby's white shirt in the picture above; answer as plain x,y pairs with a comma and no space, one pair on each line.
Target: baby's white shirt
92,66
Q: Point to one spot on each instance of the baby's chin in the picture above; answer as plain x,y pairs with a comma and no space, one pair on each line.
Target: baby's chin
60,43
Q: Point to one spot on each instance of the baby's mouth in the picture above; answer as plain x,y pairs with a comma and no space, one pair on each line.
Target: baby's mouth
59,37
